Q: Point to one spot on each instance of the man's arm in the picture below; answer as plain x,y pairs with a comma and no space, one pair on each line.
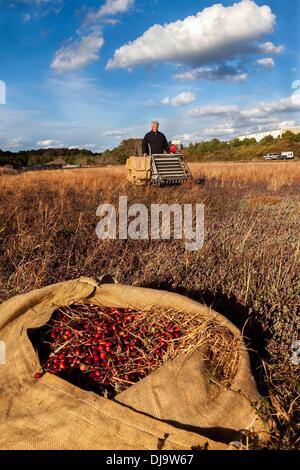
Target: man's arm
166,145
145,147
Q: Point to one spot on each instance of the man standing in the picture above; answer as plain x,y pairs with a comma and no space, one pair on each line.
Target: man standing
154,141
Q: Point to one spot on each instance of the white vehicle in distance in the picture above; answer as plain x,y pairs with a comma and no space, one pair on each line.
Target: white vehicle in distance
272,156
287,155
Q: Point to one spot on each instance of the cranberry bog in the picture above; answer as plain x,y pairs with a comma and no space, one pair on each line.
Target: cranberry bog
247,270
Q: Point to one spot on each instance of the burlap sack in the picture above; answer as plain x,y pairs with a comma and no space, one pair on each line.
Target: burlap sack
170,408
138,170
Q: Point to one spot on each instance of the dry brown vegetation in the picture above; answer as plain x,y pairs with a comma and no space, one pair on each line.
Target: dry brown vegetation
248,268
275,175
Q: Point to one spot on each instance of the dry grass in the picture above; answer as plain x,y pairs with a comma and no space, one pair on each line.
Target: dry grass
275,175
223,348
248,268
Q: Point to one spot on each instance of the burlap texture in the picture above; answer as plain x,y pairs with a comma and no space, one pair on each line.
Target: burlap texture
138,170
172,404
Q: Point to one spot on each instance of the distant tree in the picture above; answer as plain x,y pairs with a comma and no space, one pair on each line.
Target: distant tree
214,144
297,137
127,148
236,142
289,135
248,142
267,140
90,160
34,160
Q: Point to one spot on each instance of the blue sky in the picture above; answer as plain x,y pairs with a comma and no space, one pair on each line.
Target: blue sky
92,73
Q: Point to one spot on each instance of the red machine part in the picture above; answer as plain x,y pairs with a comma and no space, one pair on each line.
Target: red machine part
173,148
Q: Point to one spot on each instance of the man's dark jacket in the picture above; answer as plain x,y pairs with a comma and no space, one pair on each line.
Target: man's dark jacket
157,142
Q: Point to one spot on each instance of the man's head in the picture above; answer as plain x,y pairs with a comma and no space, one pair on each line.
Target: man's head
154,126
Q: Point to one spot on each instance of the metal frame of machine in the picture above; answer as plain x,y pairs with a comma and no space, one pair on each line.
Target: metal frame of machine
167,169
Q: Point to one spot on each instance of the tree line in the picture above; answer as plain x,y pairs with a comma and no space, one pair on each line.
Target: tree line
26,158
205,150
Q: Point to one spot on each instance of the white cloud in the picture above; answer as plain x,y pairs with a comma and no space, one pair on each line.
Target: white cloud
79,53
36,2
284,105
296,84
232,125
2,92
26,17
270,48
48,143
189,75
115,133
14,143
263,109
189,136
225,121
291,123
213,110
215,34
218,131
85,116
184,98
38,8
166,101
83,146
268,62
85,47
149,103
225,72
39,1
110,8
111,21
